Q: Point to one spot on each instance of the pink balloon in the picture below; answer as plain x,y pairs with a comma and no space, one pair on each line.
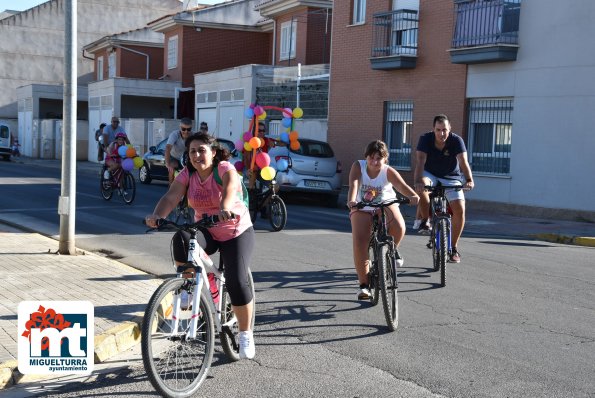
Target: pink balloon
263,160
247,136
258,110
287,112
252,106
239,166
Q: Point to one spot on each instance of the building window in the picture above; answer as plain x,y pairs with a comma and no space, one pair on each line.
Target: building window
288,39
490,132
399,121
100,68
172,52
359,11
111,65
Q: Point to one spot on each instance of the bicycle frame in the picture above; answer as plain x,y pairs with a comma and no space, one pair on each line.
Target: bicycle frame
202,263
263,196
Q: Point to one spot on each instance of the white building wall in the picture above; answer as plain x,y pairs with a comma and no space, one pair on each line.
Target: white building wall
553,86
32,44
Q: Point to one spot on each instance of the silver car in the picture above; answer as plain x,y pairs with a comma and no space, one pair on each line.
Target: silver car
312,168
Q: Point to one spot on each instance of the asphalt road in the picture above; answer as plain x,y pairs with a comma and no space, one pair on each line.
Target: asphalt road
516,319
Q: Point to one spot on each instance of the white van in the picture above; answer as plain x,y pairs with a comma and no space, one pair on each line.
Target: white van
5,149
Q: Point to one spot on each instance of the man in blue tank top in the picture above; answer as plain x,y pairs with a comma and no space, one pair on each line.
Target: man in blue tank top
442,156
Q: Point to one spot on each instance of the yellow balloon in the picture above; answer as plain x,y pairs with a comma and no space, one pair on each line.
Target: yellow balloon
262,116
247,147
268,173
298,113
138,162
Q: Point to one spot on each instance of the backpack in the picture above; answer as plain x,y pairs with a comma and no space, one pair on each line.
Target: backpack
219,181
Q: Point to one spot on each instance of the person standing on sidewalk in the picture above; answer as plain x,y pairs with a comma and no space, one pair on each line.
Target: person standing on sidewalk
442,156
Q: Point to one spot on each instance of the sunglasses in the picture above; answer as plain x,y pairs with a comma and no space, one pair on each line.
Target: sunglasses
261,130
185,128
115,122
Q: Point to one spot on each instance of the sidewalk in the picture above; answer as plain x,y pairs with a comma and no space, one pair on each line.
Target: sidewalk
32,270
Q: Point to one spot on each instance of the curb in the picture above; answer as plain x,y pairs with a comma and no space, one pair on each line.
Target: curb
114,341
569,240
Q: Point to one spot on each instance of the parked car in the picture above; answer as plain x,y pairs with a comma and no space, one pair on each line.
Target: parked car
313,168
5,148
154,168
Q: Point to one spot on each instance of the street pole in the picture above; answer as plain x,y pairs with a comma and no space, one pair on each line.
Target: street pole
67,201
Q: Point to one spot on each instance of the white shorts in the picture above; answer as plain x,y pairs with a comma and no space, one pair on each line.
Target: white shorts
451,194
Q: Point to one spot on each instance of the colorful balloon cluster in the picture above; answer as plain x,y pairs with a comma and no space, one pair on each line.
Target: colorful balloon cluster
253,144
130,160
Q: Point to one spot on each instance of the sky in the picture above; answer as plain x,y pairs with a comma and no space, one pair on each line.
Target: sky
21,5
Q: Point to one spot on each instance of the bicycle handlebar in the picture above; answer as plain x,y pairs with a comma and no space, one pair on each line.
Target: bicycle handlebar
434,188
385,203
206,221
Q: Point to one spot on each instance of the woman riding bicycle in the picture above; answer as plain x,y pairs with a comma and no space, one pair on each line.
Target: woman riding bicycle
233,235
373,180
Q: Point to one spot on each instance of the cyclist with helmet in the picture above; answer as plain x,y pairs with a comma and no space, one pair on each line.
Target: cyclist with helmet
113,160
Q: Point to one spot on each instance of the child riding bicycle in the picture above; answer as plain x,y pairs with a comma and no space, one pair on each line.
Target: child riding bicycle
113,160
373,180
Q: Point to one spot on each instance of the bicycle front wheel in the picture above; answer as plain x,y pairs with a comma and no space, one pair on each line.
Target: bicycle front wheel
388,286
373,282
435,248
128,188
277,213
230,335
105,185
442,249
175,364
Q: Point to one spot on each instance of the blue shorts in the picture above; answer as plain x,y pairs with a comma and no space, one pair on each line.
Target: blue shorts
451,194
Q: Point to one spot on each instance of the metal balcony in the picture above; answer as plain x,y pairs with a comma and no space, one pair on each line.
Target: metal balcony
485,31
394,43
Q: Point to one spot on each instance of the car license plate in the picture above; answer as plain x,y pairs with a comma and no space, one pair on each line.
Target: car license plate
315,184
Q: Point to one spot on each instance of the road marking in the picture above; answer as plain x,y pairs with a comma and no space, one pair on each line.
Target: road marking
29,180
300,232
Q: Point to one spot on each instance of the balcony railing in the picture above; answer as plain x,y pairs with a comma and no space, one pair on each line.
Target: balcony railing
394,43
492,26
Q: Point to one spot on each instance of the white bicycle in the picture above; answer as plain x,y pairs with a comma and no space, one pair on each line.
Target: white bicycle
178,330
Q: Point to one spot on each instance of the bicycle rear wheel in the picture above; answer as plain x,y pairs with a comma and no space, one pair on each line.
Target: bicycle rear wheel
253,204
175,365
388,286
128,188
230,335
277,213
106,186
373,275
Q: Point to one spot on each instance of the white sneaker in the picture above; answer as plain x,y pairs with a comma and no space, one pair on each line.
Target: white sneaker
106,174
247,349
364,294
417,223
399,262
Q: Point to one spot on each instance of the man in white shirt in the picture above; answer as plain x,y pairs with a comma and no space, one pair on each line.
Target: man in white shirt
176,146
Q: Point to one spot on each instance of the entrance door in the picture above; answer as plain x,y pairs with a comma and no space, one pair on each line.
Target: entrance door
231,121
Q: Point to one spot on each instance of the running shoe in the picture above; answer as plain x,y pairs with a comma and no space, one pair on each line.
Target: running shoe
417,223
247,349
363,293
455,256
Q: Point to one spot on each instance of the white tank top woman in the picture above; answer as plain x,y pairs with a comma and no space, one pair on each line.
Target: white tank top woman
374,190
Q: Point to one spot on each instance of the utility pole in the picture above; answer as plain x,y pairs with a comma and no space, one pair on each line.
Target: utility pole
67,201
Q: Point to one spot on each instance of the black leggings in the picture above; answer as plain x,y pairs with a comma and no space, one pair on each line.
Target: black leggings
236,254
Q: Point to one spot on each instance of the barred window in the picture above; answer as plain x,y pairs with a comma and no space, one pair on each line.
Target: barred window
490,132
398,125
172,52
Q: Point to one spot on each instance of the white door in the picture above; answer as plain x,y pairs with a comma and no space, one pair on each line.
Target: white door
231,121
27,144
208,115
94,122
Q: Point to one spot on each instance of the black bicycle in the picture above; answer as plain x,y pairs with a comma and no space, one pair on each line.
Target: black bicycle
383,256
440,232
121,180
266,201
